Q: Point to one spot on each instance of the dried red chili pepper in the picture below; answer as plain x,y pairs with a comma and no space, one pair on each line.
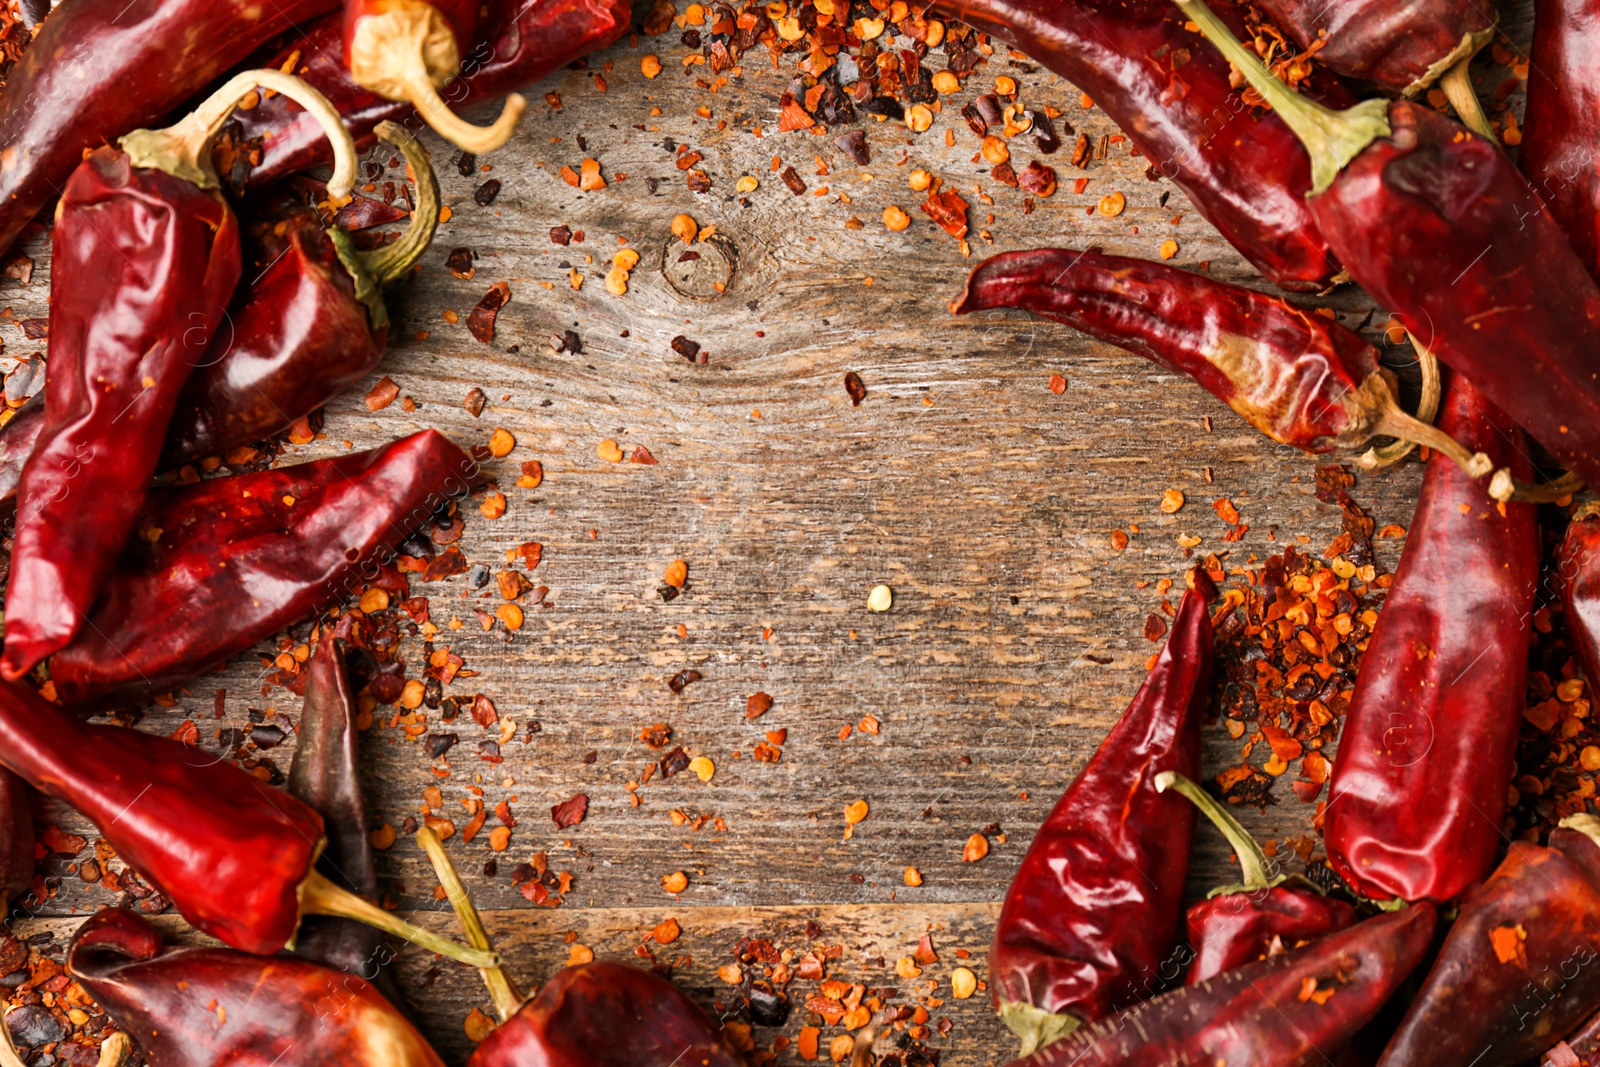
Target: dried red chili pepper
1242,167
1298,377
309,322
259,550
1517,971
232,853
1293,1009
408,50
1428,747
196,1007
1438,226
100,68
1578,565
1264,915
1094,910
17,856
518,43
1559,145
145,257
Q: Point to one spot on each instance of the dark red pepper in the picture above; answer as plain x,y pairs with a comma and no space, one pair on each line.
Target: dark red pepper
1428,747
1581,1048
260,551
1291,1010
100,68
1241,167
1437,225
232,853
145,258
1518,970
1263,915
197,1007
1559,142
1579,570
1298,377
17,857
519,42
1094,910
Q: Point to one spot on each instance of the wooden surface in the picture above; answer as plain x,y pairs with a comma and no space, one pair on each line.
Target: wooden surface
982,498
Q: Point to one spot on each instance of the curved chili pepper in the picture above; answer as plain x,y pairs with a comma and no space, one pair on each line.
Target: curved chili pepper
197,1007
1517,972
260,551
1300,378
100,68
1291,1009
1241,167
519,42
1558,138
146,255
232,853
1261,916
1095,907
1428,747
1438,226
323,775
410,49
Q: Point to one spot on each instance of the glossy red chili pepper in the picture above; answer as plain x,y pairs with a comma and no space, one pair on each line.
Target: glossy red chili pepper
1517,972
518,43
1093,912
1559,143
1298,377
145,257
1290,1010
233,854
100,68
197,1007
1240,166
1428,747
1263,915
260,550
1438,226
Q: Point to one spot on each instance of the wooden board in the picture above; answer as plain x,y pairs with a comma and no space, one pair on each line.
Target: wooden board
985,500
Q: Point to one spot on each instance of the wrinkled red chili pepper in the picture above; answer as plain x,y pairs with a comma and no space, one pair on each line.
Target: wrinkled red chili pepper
1261,916
197,1007
1293,1009
1241,167
1428,747
1517,972
518,43
232,853
1298,377
1094,910
1559,144
100,68
1437,225
408,50
145,257
259,550
17,856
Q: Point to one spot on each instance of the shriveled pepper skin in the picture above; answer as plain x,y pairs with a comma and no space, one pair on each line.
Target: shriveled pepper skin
1264,1014
16,836
100,68
1518,970
518,43
259,551
1428,747
1579,569
199,1007
1560,150
1096,906
1241,167
1291,374
605,1014
229,850
1438,226
1231,931
143,266
1400,44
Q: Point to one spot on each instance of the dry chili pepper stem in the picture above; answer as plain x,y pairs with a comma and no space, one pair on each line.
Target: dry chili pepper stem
502,990
115,1050
1333,138
1427,410
1586,824
389,263
1377,396
1253,863
1506,488
1457,87
184,148
319,896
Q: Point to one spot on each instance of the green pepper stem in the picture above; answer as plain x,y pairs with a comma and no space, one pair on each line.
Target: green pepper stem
391,262
1035,1026
184,148
1457,86
1252,861
502,990
1333,138
318,896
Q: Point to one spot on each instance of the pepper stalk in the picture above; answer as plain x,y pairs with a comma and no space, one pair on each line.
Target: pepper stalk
1252,861
371,271
502,990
